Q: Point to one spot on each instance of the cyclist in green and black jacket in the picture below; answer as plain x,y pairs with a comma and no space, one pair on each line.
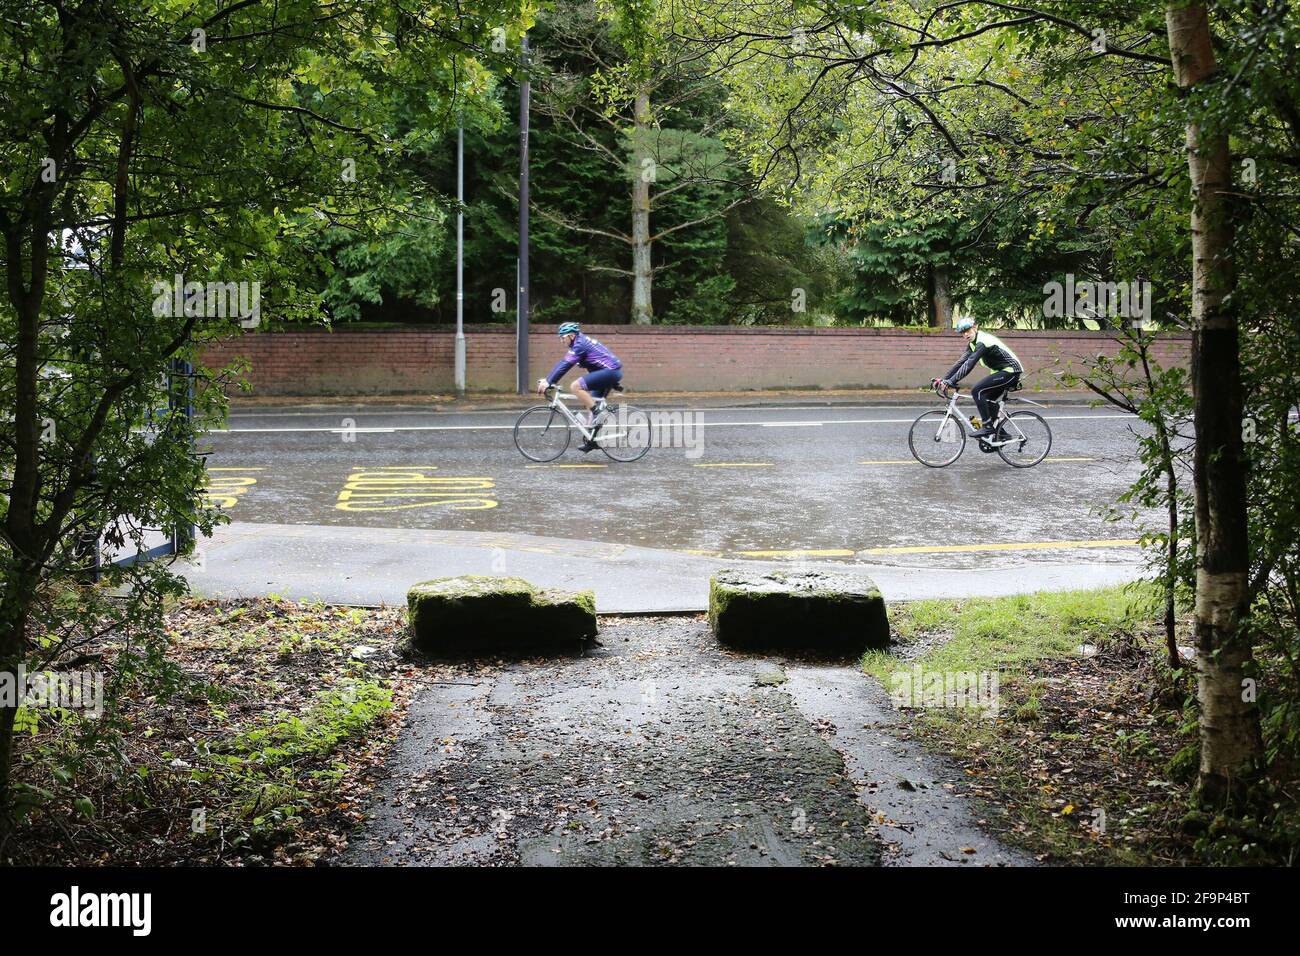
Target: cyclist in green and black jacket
990,351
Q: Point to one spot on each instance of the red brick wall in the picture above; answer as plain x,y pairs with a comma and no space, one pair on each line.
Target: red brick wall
419,359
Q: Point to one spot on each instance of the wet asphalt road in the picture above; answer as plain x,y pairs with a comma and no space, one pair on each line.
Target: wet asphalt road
774,482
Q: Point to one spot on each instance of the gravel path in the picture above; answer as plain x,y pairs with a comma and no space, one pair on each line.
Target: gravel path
658,747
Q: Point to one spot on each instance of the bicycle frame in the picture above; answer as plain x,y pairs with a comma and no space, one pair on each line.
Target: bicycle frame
587,433
998,416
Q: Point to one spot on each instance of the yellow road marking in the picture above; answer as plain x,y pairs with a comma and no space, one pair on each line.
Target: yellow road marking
223,490
566,466
1009,546
400,487
917,549
734,464
827,553
913,461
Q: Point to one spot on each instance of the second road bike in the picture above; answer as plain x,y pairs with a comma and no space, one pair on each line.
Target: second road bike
938,437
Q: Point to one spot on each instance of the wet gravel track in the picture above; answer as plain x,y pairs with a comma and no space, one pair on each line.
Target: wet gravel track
660,748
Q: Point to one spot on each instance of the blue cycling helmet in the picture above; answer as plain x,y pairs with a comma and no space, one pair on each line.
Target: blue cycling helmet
568,327
964,323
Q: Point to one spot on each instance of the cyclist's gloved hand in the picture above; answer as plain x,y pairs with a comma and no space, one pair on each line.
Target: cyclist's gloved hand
542,385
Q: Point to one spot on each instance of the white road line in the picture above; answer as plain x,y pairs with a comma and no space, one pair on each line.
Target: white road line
704,424
352,410
1065,417
395,428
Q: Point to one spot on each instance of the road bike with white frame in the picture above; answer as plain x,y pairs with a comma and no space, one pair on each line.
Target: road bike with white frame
938,437
543,432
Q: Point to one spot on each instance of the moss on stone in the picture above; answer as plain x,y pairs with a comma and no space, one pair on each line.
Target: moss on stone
835,611
481,614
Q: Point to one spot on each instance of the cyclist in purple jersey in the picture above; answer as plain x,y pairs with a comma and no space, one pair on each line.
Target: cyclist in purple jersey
603,371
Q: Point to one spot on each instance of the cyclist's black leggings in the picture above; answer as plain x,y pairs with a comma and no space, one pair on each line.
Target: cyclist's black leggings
987,389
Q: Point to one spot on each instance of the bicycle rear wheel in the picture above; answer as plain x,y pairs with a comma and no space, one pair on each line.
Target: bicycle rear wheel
937,439
1030,439
625,433
542,433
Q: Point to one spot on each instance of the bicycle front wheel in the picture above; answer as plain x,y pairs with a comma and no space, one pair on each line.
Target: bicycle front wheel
1029,437
936,439
625,433
542,433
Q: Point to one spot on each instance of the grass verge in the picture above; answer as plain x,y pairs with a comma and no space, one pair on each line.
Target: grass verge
1086,759
257,743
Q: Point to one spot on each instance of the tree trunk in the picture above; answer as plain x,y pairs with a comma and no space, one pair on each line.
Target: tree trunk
1170,466
1171,572
14,610
7,715
21,520
642,309
940,297
1231,746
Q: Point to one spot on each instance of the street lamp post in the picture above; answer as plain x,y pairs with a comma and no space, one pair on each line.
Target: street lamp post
460,260
521,342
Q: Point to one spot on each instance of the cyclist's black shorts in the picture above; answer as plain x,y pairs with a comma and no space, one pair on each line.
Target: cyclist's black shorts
600,382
